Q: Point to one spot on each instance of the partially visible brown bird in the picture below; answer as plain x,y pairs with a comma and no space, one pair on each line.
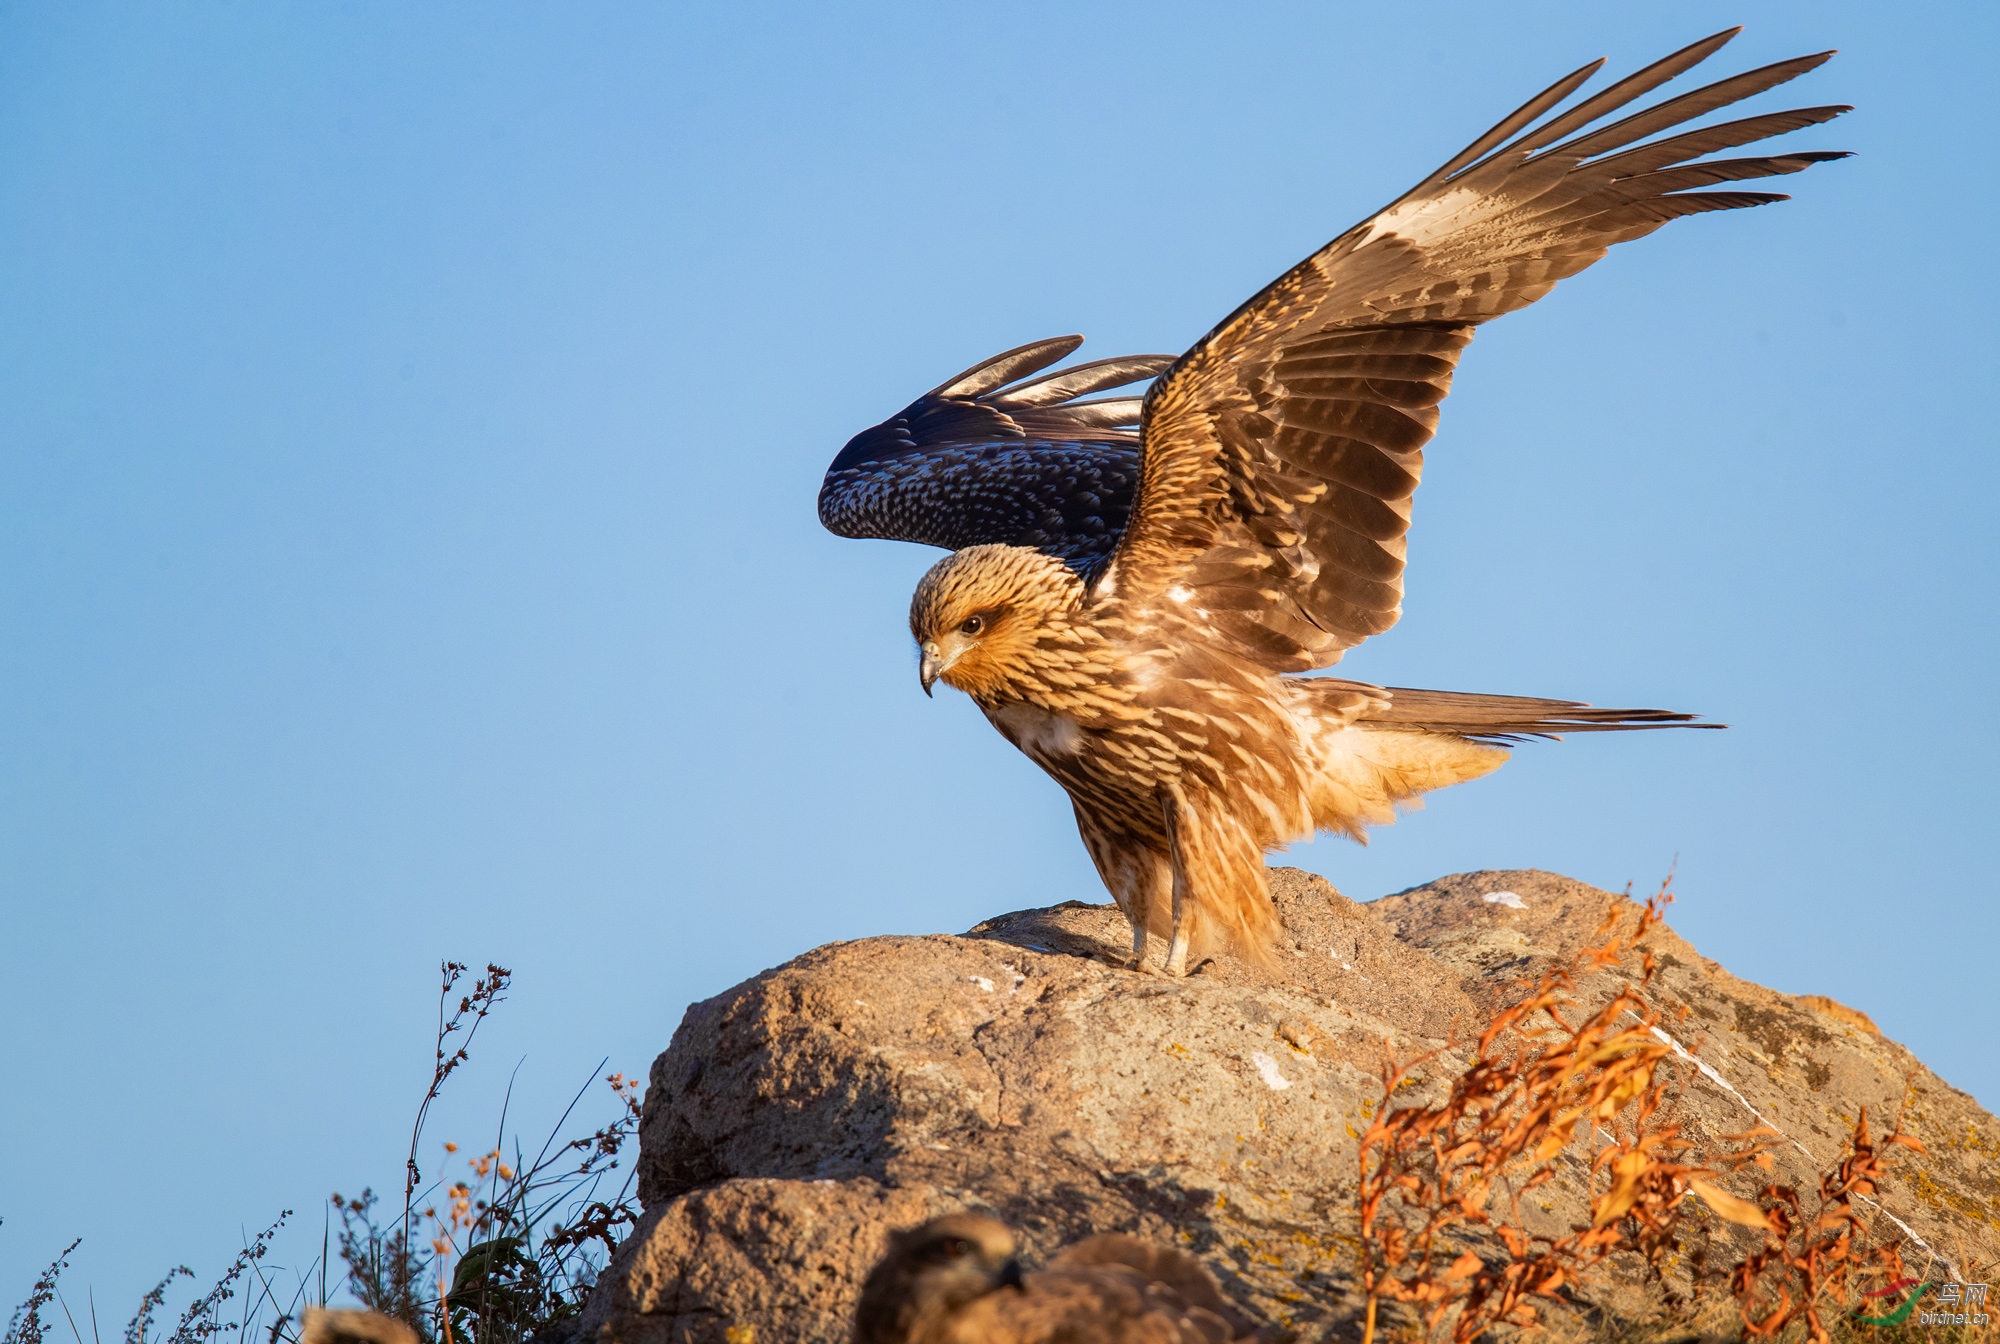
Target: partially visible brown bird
955,1280
1133,582
346,1325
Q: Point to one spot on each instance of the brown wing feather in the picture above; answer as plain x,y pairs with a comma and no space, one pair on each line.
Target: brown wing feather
1090,1304
1282,452
1169,1265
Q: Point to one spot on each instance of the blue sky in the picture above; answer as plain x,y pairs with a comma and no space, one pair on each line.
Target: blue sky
410,419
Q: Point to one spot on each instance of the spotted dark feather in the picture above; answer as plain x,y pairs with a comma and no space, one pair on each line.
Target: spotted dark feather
995,455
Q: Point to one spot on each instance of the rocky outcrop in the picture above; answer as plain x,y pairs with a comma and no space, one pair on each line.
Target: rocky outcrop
1020,1068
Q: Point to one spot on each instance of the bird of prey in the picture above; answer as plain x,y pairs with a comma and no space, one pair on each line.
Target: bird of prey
1135,584
955,1280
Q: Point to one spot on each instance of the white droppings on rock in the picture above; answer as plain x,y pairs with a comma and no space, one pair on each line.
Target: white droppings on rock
1267,1069
1506,898
982,982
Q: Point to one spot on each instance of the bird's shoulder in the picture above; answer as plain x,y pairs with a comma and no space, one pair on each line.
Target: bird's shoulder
1101,1303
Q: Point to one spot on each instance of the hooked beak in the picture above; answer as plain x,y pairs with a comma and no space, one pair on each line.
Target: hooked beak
931,667
1010,1275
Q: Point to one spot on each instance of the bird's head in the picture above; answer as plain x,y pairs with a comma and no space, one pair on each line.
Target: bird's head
932,1271
981,609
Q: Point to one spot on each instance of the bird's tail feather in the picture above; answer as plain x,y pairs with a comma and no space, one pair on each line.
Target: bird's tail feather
1382,748
1508,718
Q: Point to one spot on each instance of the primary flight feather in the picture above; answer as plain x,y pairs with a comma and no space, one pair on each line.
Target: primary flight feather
1132,580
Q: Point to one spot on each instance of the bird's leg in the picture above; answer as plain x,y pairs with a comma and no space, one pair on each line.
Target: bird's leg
1151,887
1134,872
1174,809
1177,947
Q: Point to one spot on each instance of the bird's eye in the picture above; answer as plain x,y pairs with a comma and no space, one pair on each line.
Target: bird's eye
973,625
956,1247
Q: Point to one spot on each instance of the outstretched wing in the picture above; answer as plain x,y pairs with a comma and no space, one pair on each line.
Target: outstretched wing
999,455
1282,451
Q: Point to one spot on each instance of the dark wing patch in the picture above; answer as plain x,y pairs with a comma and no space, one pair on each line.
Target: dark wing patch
999,455
1282,452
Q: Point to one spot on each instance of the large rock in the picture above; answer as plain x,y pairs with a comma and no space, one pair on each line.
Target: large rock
1021,1068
